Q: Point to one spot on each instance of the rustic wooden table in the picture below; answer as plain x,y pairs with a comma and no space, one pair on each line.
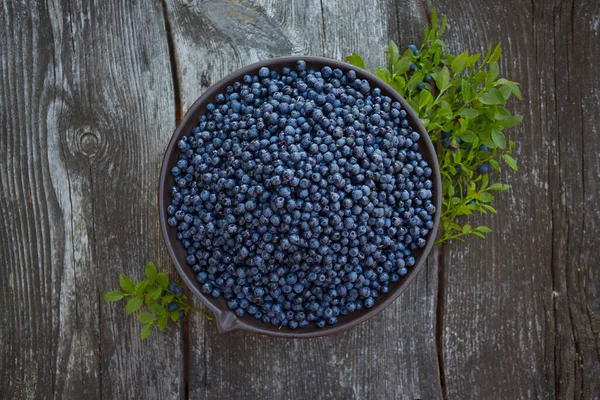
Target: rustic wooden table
89,95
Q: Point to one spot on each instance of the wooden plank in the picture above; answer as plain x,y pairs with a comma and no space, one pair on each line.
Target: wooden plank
27,328
86,109
575,193
391,356
521,308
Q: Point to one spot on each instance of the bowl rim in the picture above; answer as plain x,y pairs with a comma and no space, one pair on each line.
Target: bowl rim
226,320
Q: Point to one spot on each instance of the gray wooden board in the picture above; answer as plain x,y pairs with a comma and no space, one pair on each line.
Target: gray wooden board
86,109
88,99
521,309
394,354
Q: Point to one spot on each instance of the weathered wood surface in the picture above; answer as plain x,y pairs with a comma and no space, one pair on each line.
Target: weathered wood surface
86,109
521,312
89,94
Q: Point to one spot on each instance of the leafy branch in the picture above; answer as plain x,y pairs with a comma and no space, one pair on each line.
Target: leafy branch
460,101
164,300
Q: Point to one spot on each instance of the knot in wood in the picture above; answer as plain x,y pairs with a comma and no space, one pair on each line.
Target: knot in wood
90,143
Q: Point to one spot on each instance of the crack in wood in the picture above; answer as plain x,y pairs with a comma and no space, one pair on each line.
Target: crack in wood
185,326
439,321
173,60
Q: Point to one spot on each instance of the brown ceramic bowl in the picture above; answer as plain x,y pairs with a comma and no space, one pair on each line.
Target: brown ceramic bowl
226,320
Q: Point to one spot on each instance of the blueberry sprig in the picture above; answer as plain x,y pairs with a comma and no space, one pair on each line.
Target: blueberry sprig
165,300
461,104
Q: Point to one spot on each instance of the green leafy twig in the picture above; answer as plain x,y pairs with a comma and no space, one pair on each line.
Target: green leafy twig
460,101
164,300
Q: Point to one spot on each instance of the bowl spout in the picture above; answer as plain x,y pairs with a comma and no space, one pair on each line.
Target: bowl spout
227,322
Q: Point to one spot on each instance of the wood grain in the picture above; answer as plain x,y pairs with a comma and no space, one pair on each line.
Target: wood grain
521,310
85,112
391,356
89,94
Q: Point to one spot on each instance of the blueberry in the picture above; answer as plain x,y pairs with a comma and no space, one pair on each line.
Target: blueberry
483,169
172,307
414,49
264,72
300,195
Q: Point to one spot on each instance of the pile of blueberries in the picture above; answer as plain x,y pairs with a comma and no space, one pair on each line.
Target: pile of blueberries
300,195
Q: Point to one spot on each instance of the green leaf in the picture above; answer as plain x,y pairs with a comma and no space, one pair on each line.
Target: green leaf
114,295
356,60
155,294
162,279
157,309
464,210
493,72
486,197
483,228
442,79
499,139
425,98
501,113
150,271
466,228
512,121
516,90
467,91
392,52
469,113
167,299
480,77
415,79
473,59
126,284
434,22
398,83
468,137
162,322
174,316
148,298
478,234
141,286
494,164
459,63
492,96
489,208
484,181
146,331
134,304
443,27
450,190
499,186
383,73
506,92
496,54
402,65
445,110
510,161
145,317
437,55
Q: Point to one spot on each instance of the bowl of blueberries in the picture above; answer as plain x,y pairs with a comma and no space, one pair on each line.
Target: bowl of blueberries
299,196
